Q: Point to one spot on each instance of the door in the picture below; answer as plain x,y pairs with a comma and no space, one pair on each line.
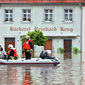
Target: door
48,45
9,41
67,49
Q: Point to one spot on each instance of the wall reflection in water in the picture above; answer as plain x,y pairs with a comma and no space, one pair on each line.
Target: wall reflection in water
67,73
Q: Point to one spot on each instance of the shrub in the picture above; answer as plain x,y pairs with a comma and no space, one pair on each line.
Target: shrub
37,37
60,50
76,50
23,38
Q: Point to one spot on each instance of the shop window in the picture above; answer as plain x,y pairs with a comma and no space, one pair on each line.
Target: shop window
8,15
48,15
26,15
68,15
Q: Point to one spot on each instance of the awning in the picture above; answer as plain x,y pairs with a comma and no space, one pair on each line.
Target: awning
62,35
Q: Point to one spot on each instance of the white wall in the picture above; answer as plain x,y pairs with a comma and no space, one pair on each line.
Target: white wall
37,20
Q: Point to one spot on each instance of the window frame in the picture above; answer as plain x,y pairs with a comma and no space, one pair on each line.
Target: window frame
8,15
68,8
53,14
23,13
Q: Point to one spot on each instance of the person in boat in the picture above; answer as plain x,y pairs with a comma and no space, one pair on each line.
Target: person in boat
2,53
46,55
28,47
12,54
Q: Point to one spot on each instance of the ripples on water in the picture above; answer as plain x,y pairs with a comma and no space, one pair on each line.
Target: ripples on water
67,73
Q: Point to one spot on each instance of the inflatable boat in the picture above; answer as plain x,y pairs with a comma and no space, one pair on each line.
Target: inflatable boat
33,61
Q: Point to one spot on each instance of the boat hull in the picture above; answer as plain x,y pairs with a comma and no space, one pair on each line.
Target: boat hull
33,61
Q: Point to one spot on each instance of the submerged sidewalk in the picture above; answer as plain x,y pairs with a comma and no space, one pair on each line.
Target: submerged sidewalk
83,68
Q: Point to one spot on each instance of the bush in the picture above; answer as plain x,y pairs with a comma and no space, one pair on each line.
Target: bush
76,50
23,38
37,37
60,50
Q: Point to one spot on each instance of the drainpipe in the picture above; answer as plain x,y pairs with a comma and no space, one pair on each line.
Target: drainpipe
81,30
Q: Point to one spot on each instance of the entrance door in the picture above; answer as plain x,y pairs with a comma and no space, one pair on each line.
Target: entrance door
67,49
9,41
48,45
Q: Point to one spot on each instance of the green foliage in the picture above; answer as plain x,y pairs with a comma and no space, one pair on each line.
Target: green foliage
37,37
76,50
60,50
23,38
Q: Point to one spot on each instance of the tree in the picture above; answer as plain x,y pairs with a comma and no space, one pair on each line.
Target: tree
37,37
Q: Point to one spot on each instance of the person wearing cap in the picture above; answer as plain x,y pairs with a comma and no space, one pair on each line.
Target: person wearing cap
27,47
12,54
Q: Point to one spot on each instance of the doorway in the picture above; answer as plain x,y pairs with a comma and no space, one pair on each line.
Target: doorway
48,45
9,41
67,48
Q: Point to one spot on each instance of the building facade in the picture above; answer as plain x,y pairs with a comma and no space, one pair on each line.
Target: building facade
59,21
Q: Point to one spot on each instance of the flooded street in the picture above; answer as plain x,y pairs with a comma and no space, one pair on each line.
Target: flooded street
69,72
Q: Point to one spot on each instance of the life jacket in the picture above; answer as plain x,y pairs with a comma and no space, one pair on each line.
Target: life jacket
26,45
12,52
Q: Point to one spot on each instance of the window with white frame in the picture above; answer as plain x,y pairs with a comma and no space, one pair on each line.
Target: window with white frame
8,15
68,15
26,15
48,15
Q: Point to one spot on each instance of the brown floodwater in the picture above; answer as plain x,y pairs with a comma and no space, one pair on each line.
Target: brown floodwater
69,72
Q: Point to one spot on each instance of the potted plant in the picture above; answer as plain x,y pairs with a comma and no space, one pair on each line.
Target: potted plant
60,50
75,50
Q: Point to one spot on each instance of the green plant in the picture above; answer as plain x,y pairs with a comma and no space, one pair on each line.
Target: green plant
37,37
76,50
60,50
23,38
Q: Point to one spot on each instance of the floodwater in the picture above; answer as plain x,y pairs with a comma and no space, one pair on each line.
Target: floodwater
69,72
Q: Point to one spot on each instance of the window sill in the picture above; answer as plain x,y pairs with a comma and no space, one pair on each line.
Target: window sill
26,22
48,22
8,22
68,22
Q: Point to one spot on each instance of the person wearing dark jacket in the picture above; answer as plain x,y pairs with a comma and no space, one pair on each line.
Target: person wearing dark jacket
45,55
27,47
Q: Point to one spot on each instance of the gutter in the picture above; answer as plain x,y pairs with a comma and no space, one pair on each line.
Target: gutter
44,3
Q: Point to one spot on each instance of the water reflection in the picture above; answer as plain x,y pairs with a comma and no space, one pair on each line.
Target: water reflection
27,77
67,73
67,55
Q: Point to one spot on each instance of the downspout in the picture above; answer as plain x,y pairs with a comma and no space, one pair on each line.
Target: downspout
81,5
81,30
